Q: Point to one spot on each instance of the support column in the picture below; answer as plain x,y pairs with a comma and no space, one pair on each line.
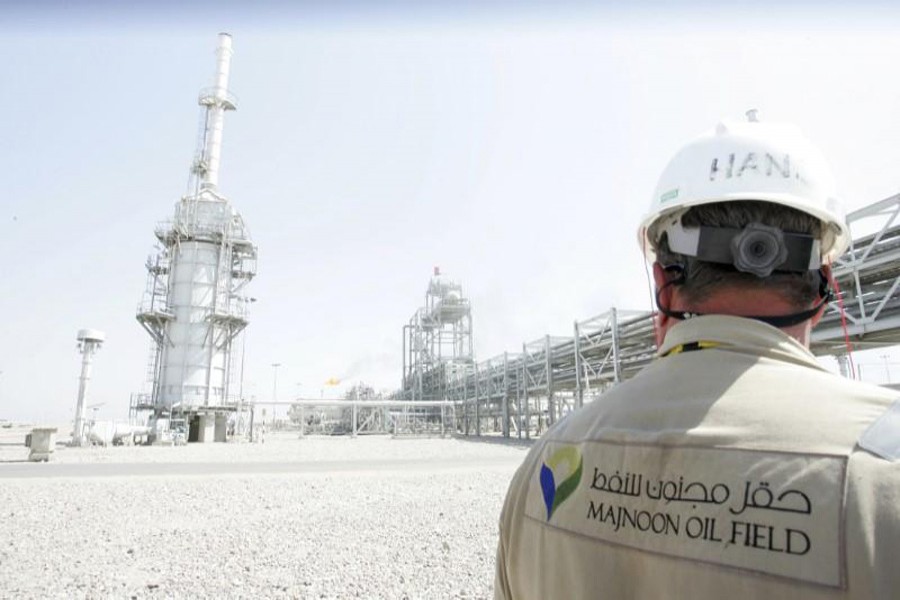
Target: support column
519,408
466,408
548,366
206,432
477,403
614,324
403,372
525,392
505,395
579,391
221,428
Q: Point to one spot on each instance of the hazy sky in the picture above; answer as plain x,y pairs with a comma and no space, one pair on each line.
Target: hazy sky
515,146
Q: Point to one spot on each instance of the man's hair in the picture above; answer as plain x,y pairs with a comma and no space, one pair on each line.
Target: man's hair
703,278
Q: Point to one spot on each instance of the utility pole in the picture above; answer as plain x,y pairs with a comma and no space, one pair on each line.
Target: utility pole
274,390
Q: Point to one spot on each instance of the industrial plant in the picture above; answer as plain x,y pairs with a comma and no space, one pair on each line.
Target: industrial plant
521,393
195,306
437,343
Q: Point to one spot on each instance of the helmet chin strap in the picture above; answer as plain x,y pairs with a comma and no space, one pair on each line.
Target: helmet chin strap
779,321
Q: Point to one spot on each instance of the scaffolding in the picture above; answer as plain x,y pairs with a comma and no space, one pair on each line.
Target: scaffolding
437,341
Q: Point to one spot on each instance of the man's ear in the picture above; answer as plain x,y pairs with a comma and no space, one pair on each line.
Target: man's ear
664,298
659,275
826,272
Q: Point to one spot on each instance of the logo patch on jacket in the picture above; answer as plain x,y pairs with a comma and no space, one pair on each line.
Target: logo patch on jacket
776,513
566,465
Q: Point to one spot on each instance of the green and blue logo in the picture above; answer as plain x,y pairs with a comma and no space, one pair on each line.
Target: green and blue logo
554,494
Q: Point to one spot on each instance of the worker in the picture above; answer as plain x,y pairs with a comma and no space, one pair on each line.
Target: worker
734,465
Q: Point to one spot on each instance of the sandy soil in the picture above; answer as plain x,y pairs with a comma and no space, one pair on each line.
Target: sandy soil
322,517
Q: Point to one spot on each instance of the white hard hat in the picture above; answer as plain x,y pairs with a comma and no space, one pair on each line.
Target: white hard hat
749,160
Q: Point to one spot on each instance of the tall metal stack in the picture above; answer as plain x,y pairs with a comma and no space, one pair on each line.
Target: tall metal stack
438,343
195,305
89,341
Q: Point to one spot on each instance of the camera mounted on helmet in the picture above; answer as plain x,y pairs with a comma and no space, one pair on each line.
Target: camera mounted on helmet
747,161
757,249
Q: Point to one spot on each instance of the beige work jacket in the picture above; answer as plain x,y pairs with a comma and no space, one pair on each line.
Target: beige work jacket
741,469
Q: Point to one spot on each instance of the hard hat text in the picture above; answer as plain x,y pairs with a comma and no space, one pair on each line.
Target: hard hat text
736,165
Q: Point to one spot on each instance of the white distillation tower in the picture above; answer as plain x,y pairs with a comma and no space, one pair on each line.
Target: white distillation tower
89,341
195,305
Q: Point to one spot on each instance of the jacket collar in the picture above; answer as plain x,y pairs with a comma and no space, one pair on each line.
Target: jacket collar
738,334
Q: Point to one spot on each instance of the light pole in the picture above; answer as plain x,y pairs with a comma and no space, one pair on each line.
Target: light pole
274,390
239,426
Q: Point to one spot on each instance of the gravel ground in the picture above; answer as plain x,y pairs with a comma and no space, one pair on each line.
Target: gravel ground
400,518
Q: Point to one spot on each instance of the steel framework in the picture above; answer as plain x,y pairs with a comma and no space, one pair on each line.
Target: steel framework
194,306
354,417
521,394
868,275
437,341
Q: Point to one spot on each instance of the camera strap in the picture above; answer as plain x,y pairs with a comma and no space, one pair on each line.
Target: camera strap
779,321
717,244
